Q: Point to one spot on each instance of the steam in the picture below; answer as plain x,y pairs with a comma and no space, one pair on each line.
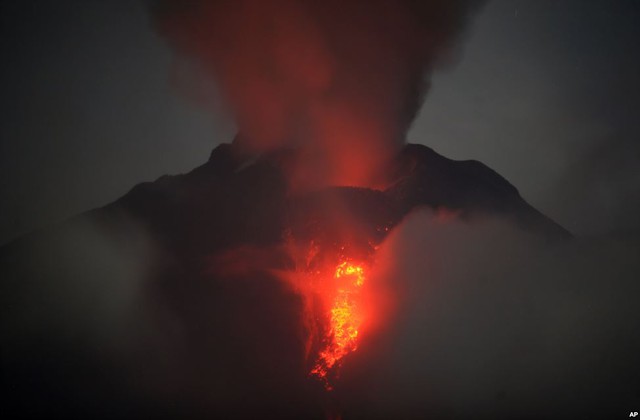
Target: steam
482,319
343,79
71,316
514,327
470,329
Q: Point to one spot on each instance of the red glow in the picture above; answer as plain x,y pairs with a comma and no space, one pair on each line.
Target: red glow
345,318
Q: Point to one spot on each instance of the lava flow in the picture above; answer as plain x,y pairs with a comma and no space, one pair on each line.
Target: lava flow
345,319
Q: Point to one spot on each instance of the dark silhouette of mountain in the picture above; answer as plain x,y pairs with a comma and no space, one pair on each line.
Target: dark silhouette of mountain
195,340
227,202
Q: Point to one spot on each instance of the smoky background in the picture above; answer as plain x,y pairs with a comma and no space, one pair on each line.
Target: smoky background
543,92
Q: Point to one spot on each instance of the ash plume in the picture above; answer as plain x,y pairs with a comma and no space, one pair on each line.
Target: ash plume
206,294
345,79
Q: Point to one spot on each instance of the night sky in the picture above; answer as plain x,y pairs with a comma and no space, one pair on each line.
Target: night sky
188,294
544,92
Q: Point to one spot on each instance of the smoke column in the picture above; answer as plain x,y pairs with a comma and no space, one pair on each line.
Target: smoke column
341,81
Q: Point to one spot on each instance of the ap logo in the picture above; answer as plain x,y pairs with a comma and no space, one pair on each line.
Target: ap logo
633,414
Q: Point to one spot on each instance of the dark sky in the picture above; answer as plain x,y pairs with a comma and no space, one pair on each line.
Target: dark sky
544,92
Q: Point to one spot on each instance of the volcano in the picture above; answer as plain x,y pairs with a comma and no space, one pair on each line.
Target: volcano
229,201
231,330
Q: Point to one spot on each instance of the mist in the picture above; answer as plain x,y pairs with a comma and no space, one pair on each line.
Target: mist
154,307
492,321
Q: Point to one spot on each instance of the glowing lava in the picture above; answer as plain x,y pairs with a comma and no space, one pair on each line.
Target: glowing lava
345,318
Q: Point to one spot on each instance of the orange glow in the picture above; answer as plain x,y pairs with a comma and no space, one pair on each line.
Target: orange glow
345,318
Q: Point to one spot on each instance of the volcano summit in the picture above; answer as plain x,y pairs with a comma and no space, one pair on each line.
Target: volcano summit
233,296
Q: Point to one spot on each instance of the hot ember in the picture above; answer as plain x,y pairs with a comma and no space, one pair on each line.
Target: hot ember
345,316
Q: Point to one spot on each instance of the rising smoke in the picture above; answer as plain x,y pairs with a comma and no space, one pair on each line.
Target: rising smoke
484,320
344,79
